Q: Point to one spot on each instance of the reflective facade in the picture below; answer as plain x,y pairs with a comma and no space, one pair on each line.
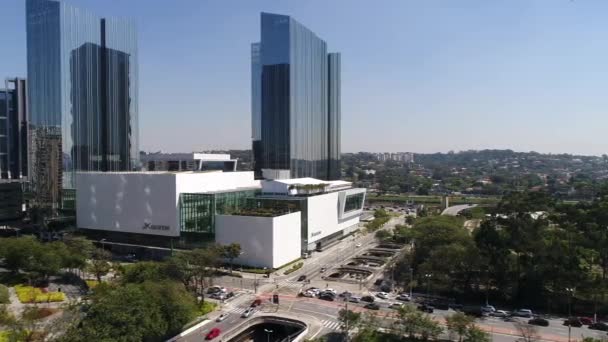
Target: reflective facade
334,115
83,87
13,130
291,67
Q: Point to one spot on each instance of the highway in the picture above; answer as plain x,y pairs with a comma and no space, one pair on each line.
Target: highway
455,209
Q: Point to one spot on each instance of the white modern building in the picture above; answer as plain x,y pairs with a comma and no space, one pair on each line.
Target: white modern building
266,241
274,221
152,203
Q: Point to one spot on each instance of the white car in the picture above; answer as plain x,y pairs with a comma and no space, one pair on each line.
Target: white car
309,294
488,308
395,305
403,297
523,313
247,313
331,290
354,299
382,295
222,317
499,313
358,245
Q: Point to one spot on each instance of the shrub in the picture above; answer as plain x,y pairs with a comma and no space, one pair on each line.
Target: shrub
29,294
34,313
207,307
294,268
91,284
4,297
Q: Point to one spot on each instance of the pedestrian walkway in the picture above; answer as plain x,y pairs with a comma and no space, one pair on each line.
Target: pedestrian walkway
331,325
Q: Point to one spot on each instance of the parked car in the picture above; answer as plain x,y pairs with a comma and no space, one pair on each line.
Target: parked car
308,294
527,313
345,294
382,295
354,299
323,269
358,245
539,321
230,295
331,290
313,289
327,293
403,298
221,317
385,288
372,306
488,308
368,299
327,296
256,302
395,305
499,313
586,320
426,308
599,326
302,277
573,322
216,289
473,310
378,282
213,333
247,313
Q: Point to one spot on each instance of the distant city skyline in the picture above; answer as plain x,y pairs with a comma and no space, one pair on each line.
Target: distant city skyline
425,76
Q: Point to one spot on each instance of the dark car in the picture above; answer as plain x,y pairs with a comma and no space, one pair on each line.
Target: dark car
327,293
372,306
230,295
586,320
368,299
573,322
302,278
328,297
474,310
426,308
385,288
345,294
256,302
539,321
599,326
378,282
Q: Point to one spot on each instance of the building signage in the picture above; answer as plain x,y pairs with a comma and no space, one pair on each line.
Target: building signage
150,226
316,233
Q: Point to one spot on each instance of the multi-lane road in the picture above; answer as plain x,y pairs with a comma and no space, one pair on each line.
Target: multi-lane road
323,315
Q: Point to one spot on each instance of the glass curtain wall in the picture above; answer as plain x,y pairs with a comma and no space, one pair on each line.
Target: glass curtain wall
334,116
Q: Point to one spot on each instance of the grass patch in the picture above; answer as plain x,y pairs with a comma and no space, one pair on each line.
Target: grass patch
30,294
206,307
4,297
294,268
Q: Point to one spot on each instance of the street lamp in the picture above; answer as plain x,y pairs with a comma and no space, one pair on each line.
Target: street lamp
570,291
428,283
411,282
268,332
103,245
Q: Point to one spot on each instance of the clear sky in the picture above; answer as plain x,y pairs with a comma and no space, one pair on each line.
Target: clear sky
421,76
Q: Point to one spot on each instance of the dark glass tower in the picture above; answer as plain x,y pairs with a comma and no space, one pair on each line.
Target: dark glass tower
13,130
83,87
295,114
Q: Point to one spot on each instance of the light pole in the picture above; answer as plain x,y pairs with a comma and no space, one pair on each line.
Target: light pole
268,332
411,282
428,283
103,244
570,291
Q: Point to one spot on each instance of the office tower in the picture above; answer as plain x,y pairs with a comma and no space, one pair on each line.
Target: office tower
295,102
83,95
13,130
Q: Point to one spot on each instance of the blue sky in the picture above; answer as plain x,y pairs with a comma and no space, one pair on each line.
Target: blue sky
421,76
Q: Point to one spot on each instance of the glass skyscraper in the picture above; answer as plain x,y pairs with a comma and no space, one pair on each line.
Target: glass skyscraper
13,130
83,95
295,101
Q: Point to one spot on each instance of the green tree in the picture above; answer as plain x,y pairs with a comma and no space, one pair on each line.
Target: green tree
383,235
145,271
474,334
231,252
99,265
349,319
459,324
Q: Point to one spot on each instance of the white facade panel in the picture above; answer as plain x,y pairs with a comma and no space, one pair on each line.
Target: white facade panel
144,203
265,241
322,216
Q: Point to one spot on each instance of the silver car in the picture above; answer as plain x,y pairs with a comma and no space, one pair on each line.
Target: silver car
247,313
222,317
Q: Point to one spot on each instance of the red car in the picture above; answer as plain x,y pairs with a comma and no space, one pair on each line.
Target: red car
586,320
215,332
256,303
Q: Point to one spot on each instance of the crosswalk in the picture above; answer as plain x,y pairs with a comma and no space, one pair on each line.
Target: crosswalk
329,324
289,283
237,310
